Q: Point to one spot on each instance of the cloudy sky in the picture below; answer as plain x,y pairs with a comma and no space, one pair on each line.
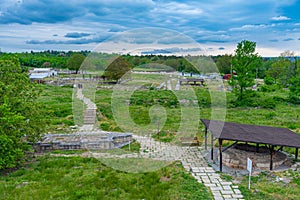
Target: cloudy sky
215,25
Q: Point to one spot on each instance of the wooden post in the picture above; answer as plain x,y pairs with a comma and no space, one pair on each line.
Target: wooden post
271,157
212,148
257,147
205,138
296,154
220,151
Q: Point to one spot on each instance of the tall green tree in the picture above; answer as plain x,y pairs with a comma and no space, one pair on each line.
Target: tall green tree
75,61
278,69
224,63
20,119
245,62
294,94
117,69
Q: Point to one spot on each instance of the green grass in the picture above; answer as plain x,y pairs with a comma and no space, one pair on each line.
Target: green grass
57,107
266,186
57,103
141,102
88,178
134,147
68,152
164,136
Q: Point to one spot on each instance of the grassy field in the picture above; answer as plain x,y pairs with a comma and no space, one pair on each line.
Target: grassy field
272,186
87,178
57,107
271,109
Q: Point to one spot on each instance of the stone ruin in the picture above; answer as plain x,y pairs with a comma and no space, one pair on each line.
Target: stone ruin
98,140
88,137
236,157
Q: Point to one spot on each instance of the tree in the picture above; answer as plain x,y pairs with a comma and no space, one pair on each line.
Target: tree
224,63
117,69
278,69
291,56
75,61
20,119
294,95
245,61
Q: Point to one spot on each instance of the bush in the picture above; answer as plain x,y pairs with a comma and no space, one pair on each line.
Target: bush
269,80
294,99
294,90
268,103
270,115
10,155
251,99
269,88
279,99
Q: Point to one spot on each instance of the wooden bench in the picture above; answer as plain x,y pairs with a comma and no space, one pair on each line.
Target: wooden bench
192,81
189,141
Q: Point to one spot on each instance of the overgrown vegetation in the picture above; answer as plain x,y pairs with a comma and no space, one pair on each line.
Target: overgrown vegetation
272,186
88,178
56,106
20,119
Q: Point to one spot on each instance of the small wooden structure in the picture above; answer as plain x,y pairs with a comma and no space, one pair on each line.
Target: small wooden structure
272,137
192,81
189,141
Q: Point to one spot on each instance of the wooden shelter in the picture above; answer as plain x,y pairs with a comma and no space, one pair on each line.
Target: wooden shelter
270,136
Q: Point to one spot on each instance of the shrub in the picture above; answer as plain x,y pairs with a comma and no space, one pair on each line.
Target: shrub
269,88
279,99
270,115
268,103
269,80
294,99
294,90
251,100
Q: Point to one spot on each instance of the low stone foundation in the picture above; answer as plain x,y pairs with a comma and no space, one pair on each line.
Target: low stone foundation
83,140
236,157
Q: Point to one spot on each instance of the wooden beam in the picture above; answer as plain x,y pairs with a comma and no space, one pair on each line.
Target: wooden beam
220,151
205,139
271,157
296,154
257,147
228,147
212,148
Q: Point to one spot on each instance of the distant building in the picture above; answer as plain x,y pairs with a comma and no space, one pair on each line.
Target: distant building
41,73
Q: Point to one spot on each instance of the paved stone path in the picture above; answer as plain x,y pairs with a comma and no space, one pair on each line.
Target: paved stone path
169,86
177,87
90,112
162,85
192,159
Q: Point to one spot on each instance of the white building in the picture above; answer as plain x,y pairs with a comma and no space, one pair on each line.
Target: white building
40,73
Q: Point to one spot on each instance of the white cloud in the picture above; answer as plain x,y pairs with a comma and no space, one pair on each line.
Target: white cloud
280,18
177,8
249,27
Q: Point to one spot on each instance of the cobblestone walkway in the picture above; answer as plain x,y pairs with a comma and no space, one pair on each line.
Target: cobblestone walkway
90,112
192,159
